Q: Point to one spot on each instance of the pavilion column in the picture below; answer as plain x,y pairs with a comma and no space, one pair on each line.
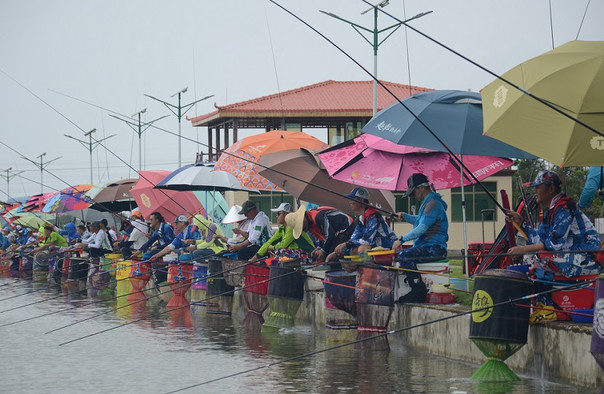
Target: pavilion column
217,151
235,128
210,144
226,135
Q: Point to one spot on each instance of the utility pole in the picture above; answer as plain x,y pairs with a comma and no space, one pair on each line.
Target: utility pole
178,111
90,145
375,32
139,128
42,166
8,176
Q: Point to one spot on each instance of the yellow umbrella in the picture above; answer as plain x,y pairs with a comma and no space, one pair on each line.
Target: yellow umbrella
571,78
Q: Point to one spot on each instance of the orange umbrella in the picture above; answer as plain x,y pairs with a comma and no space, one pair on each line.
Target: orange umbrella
241,158
169,203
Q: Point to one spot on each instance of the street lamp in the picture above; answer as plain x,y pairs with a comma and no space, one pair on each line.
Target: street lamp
139,130
8,176
42,165
90,145
375,32
178,111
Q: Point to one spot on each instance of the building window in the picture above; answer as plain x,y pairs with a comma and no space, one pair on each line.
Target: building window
405,204
479,206
345,132
265,201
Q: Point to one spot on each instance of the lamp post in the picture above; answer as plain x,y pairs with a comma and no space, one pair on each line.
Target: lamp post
375,32
178,111
8,176
42,165
139,128
90,145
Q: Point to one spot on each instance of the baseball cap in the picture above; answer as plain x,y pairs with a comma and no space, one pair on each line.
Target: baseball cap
286,207
359,192
181,218
247,206
545,177
414,181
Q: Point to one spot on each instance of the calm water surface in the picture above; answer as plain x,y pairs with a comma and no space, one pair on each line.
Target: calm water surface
169,351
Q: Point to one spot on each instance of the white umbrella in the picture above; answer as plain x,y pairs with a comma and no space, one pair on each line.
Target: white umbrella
199,176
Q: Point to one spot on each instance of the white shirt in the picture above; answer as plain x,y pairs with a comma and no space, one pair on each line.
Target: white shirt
138,234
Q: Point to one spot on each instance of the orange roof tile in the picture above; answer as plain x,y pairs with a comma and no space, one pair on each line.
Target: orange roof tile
328,98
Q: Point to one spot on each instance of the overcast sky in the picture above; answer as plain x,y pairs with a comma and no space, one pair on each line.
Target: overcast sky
111,52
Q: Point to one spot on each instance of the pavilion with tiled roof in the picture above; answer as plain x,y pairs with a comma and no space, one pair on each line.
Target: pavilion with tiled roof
342,107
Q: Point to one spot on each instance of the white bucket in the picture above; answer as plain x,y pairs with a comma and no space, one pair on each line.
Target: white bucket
599,225
438,267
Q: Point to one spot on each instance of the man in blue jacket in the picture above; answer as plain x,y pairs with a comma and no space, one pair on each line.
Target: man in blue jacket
430,234
593,184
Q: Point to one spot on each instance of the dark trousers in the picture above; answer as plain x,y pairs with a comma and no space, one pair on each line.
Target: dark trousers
248,252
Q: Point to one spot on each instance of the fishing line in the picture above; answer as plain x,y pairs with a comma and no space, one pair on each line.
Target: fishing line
177,308
542,101
395,331
582,19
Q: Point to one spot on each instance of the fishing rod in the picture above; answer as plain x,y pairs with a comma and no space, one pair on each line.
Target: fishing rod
380,335
181,307
322,188
548,104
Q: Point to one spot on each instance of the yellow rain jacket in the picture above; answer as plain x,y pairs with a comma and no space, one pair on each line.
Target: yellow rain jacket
207,228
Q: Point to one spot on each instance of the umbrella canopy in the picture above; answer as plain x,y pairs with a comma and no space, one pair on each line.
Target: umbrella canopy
69,199
390,166
454,116
199,176
33,220
301,174
36,202
241,158
113,196
571,78
169,203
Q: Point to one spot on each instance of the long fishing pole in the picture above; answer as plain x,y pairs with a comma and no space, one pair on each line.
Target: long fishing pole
395,331
180,307
548,104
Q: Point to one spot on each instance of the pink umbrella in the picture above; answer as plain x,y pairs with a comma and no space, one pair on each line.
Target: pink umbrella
373,162
169,203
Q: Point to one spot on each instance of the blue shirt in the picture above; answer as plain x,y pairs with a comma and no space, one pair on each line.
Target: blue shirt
430,226
191,232
372,230
4,242
164,235
593,183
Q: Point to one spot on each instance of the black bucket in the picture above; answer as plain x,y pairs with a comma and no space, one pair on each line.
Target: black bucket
341,292
78,268
507,323
216,285
14,267
286,283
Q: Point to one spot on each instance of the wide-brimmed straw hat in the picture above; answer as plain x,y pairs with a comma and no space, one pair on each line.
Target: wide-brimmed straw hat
233,215
295,220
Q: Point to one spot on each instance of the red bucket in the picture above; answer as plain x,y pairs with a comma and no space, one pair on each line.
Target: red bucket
575,298
255,273
179,279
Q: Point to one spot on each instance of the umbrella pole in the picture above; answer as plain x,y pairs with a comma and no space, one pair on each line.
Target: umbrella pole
463,218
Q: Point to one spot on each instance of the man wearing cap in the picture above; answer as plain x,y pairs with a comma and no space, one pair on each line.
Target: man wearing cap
283,238
4,241
429,233
210,242
371,230
259,231
186,235
329,226
563,228
163,234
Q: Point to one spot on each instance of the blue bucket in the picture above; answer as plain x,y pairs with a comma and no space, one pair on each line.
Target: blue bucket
460,284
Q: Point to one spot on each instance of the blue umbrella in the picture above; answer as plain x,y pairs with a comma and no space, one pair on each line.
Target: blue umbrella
454,116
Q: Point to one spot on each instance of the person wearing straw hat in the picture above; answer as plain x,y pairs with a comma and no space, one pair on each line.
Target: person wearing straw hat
327,225
283,241
429,233
370,231
258,233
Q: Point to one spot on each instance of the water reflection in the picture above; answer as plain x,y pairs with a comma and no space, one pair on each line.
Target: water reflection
195,346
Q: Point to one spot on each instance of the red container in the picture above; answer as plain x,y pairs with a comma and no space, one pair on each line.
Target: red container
575,298
256,273
179,280
139,277
440,298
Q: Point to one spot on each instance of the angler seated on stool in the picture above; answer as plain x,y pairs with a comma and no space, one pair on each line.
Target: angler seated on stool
430,233
259,231
371,229
563,232
186,235
210,242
